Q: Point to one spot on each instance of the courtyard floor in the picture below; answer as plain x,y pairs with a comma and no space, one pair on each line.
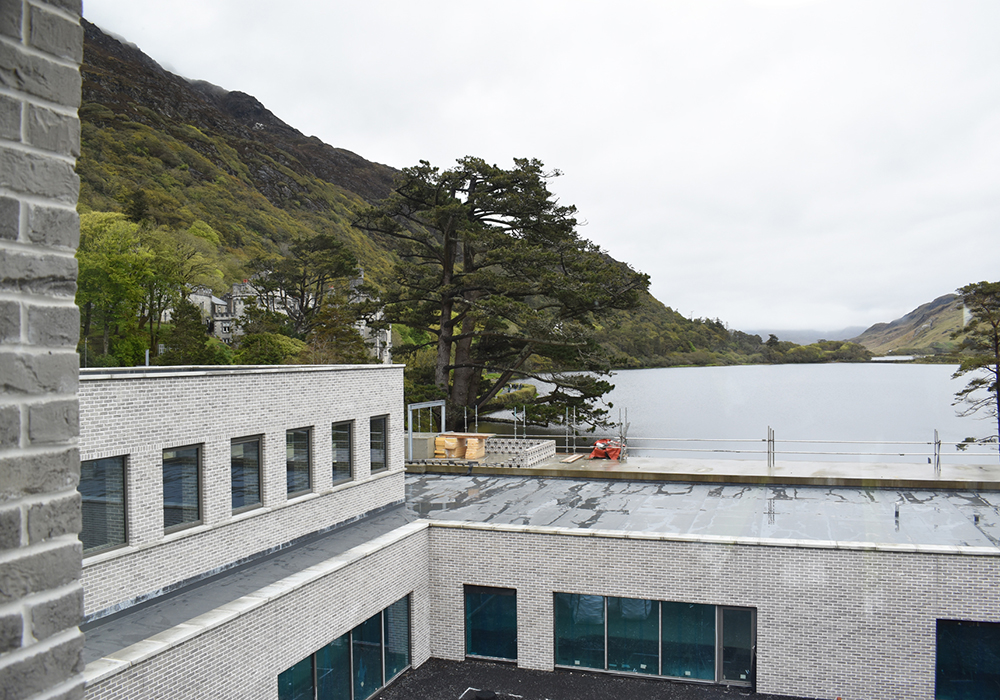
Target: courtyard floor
464,680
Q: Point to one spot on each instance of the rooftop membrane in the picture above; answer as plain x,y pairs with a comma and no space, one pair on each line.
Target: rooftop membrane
962,520
945,518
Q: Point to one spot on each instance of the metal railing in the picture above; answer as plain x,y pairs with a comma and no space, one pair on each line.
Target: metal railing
772,448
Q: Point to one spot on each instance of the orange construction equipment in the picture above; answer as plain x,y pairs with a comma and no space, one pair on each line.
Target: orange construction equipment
606,449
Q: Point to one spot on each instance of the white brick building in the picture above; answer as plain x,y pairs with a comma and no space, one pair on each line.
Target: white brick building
860,618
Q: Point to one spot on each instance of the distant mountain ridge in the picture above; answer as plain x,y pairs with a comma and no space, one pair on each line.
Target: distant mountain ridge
926,330
808,335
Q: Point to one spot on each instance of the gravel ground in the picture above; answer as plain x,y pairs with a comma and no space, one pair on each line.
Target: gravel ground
460,680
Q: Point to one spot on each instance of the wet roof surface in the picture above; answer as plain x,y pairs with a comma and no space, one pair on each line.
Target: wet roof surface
728,510
819,513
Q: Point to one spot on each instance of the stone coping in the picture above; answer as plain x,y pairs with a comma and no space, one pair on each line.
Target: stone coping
624,473
720,539
93,373
112,664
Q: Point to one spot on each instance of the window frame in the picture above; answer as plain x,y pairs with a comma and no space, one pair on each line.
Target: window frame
246,440
496,591
573,603
199,480
953,655
106,547
349,426
289,464
382,445
348,677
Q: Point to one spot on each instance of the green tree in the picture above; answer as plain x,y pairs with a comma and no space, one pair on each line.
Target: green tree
180,260
492,267
296,283
189,342
114,266
334,338
269,349
980,343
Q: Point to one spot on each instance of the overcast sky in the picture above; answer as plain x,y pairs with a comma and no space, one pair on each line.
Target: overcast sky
775,164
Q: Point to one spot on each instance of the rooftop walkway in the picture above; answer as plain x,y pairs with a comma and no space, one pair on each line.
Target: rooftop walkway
110,635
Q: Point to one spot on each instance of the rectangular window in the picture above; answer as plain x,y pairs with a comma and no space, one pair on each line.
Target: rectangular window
366,653
355,665
102,488
333,663
297,444
296,683
688,640
245,473
679,640
738,641
491,622
342,453
396,633
579,622
379,461
968,660
181,487
633,635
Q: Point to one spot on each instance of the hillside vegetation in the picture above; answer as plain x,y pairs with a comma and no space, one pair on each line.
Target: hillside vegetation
194,159
927,330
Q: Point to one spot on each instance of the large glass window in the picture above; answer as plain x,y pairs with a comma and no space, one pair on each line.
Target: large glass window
366,652
968,660
633,635
342,435
181,487
688,640
245,472
356,665
102,488
297,443
379,461
491,622
396,633
296,683
333,663
579,622
737,645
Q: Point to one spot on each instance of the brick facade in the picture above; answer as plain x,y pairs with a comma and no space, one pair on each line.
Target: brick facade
265,634
844,621
850,621
140,413
41,45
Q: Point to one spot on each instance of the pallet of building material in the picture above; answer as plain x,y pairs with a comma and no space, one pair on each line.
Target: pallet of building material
475,448
446,447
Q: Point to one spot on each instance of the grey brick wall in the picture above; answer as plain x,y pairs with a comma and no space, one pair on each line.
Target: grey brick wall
856,623
853,623
41,44
140,414
243,657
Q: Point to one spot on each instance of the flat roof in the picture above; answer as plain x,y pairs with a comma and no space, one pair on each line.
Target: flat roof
945,518
798,515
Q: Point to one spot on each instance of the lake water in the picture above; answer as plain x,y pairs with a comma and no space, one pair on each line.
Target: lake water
877,403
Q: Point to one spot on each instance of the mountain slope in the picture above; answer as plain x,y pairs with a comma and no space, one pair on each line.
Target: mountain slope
182,152
924,331
165,149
